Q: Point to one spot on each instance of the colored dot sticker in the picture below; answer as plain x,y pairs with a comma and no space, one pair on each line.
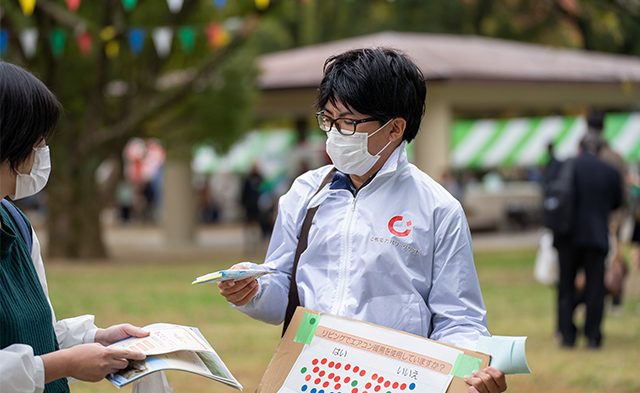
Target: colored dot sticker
356,369
395,385
374,376
304,388
380,380
317,381
331,375
347,367
307,377
323,361
325,384
316,369
412,386
347,379
386,384
354,383
362,373
338,365
354,390
337,387
377,388
403,386
331,364
304,370
336,379
314,362
367,385
321,373
313,390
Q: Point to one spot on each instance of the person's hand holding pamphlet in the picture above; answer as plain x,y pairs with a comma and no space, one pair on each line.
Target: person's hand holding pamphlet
172,347
230,274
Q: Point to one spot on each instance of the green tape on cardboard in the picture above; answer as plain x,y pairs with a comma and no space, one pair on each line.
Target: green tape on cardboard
464,365
307,328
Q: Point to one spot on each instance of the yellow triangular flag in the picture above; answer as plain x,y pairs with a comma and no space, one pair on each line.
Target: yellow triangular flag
262,4
27,6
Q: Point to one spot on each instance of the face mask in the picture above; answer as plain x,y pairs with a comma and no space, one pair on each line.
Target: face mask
34,182
350,154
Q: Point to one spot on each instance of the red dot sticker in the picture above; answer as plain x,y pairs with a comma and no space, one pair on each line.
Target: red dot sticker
368,385
307,378
347,367
331,364
362,373
321,373
347,379
325,384
386,384
380,380
331,375
336,379
316,369
395,385
377,388
314,362
337,387
355,369
338,365
323,361
354,390
374,376
317,381
403,386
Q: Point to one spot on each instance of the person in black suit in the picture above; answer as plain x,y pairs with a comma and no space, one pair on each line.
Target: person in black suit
598,191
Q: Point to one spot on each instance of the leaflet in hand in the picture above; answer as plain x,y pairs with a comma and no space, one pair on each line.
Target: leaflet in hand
172,347
230,274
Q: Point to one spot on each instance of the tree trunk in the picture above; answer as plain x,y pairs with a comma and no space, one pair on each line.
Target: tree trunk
178,202
74,212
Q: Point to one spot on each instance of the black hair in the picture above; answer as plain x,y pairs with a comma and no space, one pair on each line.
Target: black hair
380,82
592,142
28,113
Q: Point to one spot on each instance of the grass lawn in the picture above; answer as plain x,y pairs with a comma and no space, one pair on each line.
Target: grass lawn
517,306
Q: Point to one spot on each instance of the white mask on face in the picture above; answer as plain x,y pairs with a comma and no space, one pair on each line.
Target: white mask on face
34,182
350,154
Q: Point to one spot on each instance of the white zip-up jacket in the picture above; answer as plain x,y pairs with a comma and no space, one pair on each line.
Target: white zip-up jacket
397,254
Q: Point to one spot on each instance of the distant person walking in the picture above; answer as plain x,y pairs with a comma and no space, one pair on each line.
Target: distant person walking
598,191
250,201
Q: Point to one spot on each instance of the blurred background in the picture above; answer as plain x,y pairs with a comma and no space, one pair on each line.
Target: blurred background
185,120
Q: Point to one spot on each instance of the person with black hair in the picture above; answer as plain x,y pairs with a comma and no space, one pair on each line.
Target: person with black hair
387,245
597,192
37,352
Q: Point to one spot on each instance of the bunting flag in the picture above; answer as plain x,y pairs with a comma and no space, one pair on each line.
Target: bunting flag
187,37
73,5
219,4
216,36
27,7
112,49
108,33
523,141
85,43
29,41
262,4
162,37
4,39
136,36
58,37
129,5
175,5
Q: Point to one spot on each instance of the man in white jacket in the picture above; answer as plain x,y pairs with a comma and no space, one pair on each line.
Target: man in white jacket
388,245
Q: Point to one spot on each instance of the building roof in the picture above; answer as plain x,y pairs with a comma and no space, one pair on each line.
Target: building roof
457,58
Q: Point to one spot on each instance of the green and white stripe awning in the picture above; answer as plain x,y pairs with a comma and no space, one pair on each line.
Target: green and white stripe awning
523,141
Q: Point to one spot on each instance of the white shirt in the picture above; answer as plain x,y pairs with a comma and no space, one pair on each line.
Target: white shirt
398,254
20,370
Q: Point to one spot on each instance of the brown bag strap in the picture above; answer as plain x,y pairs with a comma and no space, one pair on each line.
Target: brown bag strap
294,299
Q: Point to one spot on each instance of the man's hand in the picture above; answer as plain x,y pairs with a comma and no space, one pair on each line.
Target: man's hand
239,292
489,380
116,333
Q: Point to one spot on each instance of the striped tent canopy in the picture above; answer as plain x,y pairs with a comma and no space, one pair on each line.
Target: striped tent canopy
523,141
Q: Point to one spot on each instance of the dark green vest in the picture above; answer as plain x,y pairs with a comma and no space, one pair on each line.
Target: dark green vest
25,315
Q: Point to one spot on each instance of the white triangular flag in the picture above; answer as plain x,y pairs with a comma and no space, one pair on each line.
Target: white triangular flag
175,5
29,41
162,37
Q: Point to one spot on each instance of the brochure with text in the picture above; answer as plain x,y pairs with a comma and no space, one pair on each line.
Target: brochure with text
172,347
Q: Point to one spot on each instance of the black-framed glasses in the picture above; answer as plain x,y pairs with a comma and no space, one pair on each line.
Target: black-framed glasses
344,125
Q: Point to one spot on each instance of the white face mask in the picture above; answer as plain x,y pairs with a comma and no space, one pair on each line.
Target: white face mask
34,182
350,154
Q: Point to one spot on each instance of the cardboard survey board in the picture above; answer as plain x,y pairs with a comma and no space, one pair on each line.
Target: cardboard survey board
323,353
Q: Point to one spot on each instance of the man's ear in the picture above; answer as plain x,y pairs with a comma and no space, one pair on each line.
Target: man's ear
398,126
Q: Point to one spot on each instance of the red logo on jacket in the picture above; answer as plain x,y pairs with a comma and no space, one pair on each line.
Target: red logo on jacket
393,231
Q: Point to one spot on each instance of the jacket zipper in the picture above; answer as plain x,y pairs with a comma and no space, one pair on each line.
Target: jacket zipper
345,260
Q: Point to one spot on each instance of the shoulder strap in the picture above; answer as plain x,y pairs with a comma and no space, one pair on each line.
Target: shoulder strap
294,299
20,221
